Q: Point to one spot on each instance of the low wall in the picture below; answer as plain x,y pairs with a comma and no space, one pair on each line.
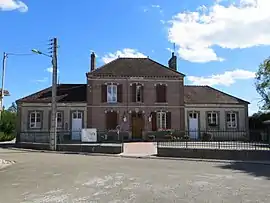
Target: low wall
90,148
244,155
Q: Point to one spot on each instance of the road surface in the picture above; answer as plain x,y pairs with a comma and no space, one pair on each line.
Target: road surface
50,178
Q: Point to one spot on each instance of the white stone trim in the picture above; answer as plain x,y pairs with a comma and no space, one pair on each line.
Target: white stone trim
147,80
160,83
137,83
150,106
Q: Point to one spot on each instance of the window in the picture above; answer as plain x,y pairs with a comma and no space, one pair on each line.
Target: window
138,93
161,93
111,93
35,119
231,120
59,117
212,118
161,120
77,115
193,115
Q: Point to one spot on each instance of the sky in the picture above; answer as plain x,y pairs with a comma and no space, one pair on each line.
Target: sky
218,42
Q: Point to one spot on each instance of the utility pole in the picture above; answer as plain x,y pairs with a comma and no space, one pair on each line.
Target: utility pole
3,81
53,130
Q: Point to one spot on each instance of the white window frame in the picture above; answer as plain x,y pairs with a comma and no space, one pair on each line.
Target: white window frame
213,120
161,120
138,93
59,124
231,124
77,115
35,124
114,92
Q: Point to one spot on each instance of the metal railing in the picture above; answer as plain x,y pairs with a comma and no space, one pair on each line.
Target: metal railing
212,139
71,137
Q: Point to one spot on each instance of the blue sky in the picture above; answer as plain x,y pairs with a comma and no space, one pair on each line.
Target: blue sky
218,42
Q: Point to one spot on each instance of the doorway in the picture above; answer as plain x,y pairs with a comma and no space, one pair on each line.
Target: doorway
193,125
137,125
76,125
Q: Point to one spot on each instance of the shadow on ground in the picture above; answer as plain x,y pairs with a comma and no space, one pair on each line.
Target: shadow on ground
258,170
7,145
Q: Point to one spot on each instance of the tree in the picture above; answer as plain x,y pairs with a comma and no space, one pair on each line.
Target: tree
8,122
263,83
13,108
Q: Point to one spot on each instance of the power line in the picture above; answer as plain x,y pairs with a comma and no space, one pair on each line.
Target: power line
18,54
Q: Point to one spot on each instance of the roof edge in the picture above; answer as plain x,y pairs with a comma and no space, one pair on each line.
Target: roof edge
241,100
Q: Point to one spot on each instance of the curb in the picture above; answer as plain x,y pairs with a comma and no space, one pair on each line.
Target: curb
196,160
144,157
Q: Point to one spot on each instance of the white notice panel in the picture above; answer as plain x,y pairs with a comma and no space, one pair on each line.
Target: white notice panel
89,135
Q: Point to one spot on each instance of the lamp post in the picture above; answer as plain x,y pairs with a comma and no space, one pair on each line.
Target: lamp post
53,129
3,93
3,80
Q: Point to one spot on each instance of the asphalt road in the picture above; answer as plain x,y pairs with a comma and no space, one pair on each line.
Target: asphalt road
51,178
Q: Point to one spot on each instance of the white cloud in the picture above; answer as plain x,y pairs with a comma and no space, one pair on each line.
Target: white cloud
9,5
155,6
238,25
41,80
226,79
125,53
50,70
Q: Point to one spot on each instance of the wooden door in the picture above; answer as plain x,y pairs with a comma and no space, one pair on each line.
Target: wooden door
137,125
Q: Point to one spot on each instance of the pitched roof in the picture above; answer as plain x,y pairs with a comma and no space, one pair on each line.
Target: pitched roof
77,93
65,93
136,67
208,95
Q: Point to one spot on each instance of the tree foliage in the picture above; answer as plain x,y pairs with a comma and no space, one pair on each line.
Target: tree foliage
13,108
8,123
263,83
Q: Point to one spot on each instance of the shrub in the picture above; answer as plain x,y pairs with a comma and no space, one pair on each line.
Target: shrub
207,136
5,138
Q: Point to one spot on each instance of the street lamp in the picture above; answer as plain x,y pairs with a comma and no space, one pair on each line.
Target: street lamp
3,92
53,129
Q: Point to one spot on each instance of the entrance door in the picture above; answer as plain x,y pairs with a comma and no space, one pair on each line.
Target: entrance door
193,125
137,125
76,125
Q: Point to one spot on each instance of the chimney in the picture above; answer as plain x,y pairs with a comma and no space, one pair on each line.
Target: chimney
93,62
173,62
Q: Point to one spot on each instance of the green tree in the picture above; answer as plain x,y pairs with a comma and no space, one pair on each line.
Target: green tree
263,83
8,122
13,108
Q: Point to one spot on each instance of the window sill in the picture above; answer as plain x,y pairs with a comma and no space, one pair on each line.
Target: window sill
112,102
161,102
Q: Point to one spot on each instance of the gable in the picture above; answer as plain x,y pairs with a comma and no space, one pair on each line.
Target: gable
137,67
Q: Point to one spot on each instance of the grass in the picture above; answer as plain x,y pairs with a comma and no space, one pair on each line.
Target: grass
5,138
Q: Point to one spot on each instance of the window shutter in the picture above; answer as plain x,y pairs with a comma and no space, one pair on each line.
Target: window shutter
158,93
154,121
120,93
164,99
103,93
111,120
133,92
130,121
142,93
108,121
168,120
